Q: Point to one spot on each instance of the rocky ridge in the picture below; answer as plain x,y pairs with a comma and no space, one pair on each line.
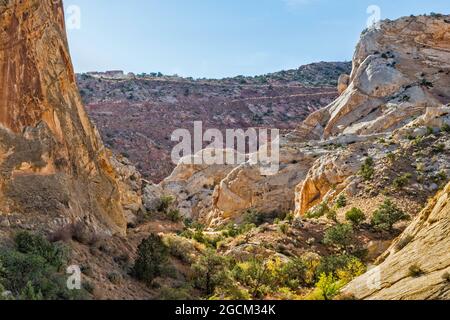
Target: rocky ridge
136,114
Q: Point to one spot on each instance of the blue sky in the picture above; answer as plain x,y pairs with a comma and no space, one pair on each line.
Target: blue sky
219,38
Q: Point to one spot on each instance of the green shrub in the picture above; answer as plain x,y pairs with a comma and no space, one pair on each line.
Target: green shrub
439,148
445,128
391,157
290,216
254,217
355,216
31,276
33,270
211,241
418,140
319,211
327,288
402,181
152,258
210,271
353,269
259,278
293,274
440,178
367,169
342,266
254,275
166,202
332,215
4,295
405,98
341,201
426,83
115,277
340,236
175,294
29,293
188,222
193,225
283,228
174,215
335,273
231,292
415,271
387,215
56,255
233,230
180,248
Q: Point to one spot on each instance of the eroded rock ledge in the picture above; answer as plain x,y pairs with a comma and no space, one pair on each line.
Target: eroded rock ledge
425,245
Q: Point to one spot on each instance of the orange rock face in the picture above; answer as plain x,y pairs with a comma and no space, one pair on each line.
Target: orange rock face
52,160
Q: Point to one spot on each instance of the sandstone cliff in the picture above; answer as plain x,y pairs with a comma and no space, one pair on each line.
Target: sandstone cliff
398,71
53,166
398,87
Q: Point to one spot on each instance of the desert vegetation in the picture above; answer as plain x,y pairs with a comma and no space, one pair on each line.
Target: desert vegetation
33,268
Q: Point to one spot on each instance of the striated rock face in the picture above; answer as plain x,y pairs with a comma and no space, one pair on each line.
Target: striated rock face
52,161
425,245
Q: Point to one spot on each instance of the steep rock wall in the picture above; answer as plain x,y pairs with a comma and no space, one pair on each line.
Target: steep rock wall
52,161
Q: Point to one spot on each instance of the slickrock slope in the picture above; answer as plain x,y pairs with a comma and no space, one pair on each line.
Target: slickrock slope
136,114
53,166
424,245
399,86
